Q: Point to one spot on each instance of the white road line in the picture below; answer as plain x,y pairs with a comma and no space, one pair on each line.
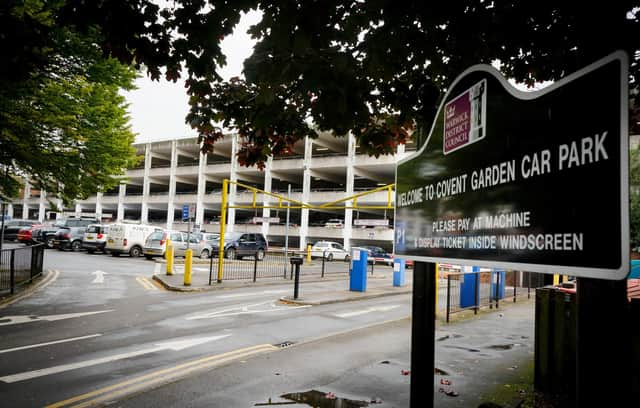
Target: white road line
245,309
50,343
8,320
171,345
365,311
265,292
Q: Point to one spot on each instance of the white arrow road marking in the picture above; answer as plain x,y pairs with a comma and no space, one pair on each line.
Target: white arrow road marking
245,309
170,345
99,276
50,343
369,310
7,320
264,292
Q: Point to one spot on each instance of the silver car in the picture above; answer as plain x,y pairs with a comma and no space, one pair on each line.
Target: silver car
156,244
95,238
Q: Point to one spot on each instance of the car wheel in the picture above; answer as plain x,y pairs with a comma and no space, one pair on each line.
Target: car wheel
76,246
260,254
330,257
347,258
231,253
135,252
49,243
204,254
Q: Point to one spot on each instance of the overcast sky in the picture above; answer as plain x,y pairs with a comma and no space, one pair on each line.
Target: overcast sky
158,108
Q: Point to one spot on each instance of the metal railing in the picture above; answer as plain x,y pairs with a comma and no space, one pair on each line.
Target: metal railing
273,264
19,266
475,290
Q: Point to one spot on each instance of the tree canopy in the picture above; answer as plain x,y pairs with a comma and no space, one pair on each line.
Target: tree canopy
63,123
377,68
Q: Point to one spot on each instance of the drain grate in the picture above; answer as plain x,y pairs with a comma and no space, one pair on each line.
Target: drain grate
284,344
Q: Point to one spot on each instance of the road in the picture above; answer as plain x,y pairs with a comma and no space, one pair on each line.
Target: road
103,330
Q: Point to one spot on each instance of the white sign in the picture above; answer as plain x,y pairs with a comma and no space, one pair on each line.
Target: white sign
356,254
258,220
371,222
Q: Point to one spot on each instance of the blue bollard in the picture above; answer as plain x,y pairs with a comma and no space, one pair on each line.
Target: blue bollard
358,272
398,272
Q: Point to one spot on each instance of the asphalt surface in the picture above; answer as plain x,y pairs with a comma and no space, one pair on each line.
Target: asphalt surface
476,356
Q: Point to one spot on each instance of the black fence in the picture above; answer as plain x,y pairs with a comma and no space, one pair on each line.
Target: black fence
19,266
475,290
276,264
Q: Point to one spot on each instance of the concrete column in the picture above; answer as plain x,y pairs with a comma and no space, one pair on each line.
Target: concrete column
144,210
233,176
172,184
25,200
349,182
9,210
202,188
306,191
42,207
78,210
121,195
60,213
99,206
266,213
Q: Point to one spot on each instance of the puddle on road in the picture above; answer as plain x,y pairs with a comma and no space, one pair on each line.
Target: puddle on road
501,346
319,399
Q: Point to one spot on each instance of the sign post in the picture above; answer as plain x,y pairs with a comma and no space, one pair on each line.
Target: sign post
533,181
529,181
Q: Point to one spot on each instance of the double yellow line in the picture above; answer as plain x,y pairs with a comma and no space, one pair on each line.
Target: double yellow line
147,283
117,391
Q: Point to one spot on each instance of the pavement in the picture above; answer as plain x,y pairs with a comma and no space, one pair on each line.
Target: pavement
379,284
477,356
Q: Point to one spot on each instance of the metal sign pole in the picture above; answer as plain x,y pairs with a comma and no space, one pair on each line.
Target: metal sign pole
286,232
2,227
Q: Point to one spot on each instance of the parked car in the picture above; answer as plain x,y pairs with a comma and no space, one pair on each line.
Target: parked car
334,223
25,235
240,244
95,238
45,234
156,244
329,250
69,238
378,255
128,238
12,227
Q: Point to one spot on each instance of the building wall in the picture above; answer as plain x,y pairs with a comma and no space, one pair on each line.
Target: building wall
173,173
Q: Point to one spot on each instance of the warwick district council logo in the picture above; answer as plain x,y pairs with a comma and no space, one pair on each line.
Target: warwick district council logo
465,118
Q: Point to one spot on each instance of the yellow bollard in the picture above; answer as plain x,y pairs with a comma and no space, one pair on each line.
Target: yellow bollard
188,256
169,256
556,279
308,253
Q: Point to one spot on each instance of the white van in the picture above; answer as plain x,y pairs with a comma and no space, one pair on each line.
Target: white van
128,238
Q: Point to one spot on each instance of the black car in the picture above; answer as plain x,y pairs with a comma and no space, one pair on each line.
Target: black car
240,244
12,227
45,234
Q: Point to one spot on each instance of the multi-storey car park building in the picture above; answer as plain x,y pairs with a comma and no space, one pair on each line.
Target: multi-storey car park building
172,173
